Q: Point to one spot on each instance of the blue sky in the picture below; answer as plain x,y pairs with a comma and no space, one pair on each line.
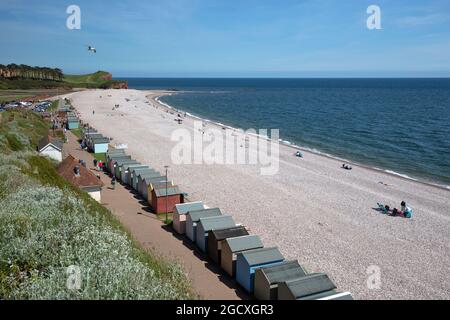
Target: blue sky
247,38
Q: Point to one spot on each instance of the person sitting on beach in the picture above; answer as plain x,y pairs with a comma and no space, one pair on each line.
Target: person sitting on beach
407,211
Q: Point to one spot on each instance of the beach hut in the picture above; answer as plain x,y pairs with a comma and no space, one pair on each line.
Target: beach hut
140,180
86,132
192,218
232,246
126,171
90,137
179,215
268,278
153,183
100,145
81,177
135,174
119,166
171,196
111,159
205,225
248,261
311,287
216,238
51,147
72,122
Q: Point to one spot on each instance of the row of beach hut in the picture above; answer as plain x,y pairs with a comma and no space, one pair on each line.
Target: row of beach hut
162,195
261,271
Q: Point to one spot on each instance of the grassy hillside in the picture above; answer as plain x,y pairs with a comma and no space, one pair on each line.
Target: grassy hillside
46,225
100,79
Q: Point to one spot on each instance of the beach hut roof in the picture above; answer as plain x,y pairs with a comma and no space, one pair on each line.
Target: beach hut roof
286,271
146,169
128,166
219,222
154,180
123,161
100,140
149,174
172,190
184,208
309,285
85,178
115,151
263,255
45,141
244,243
223,234
204,213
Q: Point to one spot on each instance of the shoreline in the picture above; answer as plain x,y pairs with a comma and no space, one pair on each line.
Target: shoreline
295,147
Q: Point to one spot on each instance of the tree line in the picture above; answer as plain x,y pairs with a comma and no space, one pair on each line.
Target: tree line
22,71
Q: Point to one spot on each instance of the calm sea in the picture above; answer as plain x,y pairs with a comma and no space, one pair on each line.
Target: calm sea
399,125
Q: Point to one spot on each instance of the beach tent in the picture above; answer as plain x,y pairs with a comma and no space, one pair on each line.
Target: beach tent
205,225
192,218
51,147
113,158
311,287
141,177
268,278
151,183
119,166
248,261
179,215
126,171
100,145
232,246
218,236
170,196
135,174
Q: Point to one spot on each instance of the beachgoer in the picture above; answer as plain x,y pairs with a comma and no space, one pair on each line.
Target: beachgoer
95,163
113,183
407,211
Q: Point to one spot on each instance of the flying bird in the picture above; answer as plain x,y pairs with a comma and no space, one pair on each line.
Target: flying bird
90,48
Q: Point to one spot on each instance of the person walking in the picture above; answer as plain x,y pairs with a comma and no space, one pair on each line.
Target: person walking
113,183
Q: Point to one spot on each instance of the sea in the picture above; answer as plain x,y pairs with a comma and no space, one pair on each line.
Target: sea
401,126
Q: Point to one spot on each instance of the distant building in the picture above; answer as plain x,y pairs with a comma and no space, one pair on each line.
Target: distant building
51,147
81,177
179,215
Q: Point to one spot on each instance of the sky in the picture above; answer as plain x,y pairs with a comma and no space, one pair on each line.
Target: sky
230,38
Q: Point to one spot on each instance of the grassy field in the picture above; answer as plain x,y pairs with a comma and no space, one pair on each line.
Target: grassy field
57,242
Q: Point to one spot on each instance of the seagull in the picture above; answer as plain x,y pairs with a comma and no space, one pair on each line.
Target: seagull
90,48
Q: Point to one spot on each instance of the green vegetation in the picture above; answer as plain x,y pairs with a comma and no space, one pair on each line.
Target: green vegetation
100,157
47,225
21,77
76,132
100,79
